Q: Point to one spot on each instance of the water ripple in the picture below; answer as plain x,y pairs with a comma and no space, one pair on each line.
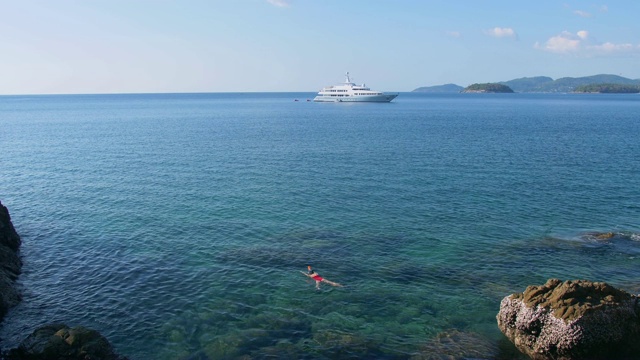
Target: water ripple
177,225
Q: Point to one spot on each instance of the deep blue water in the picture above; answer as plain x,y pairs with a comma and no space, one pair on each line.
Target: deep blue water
177,224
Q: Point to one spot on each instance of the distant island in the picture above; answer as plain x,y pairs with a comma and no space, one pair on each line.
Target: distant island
487,88
446,88
608,89
545,84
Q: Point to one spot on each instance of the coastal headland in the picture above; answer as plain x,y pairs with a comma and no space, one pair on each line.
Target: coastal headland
603,83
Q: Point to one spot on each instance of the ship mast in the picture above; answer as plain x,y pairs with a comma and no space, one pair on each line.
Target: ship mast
348,79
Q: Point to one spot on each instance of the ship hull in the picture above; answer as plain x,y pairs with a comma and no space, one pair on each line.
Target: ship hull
357,98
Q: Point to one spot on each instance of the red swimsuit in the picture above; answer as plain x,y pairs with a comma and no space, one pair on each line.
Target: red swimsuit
317,277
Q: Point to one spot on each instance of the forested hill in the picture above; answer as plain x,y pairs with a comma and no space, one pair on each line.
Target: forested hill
446,88
487,88
544,84
565,84
608,89
526,84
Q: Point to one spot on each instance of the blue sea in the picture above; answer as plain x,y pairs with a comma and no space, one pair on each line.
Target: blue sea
177,225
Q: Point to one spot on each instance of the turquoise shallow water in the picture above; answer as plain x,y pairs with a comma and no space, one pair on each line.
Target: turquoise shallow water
177,224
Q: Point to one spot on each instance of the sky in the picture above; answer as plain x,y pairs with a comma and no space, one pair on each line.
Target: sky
160,46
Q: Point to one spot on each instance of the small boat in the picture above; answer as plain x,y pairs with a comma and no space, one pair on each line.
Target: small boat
350,92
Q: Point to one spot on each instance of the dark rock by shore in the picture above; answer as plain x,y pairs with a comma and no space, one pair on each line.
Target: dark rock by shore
10,264
572,320
59,342
49,342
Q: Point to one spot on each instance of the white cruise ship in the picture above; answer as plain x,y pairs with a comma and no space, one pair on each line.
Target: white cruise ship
350,92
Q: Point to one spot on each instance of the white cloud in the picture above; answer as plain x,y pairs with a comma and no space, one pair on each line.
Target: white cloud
581,44
581,13
279,3
501,32
609,48
565,42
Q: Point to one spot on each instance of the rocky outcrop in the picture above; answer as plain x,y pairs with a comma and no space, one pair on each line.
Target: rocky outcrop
59,342
572,320
10,263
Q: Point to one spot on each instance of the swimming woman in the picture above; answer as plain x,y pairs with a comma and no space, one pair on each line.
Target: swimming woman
315,276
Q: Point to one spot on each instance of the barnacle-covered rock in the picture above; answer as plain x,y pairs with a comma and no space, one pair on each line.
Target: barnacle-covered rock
572,320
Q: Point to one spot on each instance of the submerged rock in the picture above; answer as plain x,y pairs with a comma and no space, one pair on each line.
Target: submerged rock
605,236
10,264
608,237
59,342
455,344
572,320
